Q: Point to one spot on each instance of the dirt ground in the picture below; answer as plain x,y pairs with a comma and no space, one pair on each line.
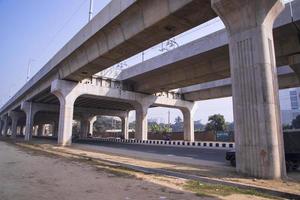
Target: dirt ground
46,172
26,176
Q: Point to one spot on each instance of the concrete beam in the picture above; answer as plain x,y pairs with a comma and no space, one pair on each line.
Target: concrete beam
294,62
222,88
120,30
68,92
205,59
92,121
74,90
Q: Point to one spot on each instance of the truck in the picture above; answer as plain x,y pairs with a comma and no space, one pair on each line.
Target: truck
291,148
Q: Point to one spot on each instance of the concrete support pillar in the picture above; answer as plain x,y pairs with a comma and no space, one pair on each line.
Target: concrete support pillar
92,121
85,123
40,129
1,126
18,130
141,130
65,122
35,130
188,125
84,128
54,128
258,134
15,116
44,131
5,125
9,129
22,130
27,107
63,90
125,126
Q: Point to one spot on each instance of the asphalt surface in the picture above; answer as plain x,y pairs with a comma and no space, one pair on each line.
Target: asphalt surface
184,155
202,156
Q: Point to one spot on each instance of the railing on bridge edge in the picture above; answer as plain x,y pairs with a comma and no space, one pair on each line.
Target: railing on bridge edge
196,144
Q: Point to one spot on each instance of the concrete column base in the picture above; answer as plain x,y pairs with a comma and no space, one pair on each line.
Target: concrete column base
125,127
84,129
40,130
15,116
64,91
5,125
141,132
27,107
92,121
257,123
188,122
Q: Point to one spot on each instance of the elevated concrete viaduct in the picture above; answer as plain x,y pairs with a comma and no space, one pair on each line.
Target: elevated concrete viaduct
244,51
287,78
82,101
207,59
120,30
67,92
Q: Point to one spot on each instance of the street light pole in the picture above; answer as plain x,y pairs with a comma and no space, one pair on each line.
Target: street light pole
91,10
29,69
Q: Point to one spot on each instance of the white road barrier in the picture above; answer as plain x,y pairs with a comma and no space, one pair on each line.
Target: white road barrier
196,144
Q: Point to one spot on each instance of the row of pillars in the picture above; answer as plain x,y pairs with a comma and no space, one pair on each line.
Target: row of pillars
14,128
86,122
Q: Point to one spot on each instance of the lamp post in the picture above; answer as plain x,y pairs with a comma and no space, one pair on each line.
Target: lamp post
91,10
29,69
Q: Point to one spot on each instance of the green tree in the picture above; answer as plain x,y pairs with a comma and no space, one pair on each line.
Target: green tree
178,120
164,128
286,126
296,122
229,126
154,128
216,123
178,125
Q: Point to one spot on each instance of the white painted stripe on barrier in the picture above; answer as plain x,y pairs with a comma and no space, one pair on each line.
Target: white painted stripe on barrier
179,143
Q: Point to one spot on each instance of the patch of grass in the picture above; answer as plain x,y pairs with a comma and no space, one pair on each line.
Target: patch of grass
119,172
204,189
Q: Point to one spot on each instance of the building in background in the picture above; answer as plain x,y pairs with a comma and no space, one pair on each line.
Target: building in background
289,104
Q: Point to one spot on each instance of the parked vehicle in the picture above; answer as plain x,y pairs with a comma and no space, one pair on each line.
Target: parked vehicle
291,148
230,155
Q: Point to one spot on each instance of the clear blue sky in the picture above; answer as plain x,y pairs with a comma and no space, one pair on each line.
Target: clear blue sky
35,30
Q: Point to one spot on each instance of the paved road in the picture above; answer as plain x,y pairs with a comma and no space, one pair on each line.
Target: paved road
186,155
160,153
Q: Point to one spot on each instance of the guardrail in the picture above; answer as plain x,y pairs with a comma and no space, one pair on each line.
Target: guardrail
177,143
172,143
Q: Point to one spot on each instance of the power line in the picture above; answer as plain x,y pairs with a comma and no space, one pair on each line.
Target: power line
51,40
62,28
91,10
